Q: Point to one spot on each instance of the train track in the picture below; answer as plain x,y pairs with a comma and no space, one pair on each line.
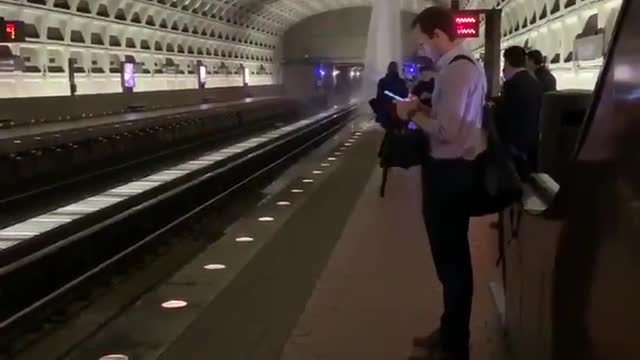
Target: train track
18,202
39,278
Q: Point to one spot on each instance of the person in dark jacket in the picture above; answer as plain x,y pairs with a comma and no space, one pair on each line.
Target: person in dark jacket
393,83
518,108
535,63
425,86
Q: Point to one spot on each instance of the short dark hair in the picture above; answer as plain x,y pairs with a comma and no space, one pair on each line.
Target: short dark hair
515,56
436,18
536,56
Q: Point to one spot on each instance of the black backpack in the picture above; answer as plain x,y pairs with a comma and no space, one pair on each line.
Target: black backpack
403,147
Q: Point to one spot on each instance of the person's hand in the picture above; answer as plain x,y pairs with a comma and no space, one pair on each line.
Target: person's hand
405,108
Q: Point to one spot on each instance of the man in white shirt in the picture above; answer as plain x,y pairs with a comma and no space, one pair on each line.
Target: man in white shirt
454,128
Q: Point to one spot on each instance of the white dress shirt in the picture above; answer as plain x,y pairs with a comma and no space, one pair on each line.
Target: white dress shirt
456,130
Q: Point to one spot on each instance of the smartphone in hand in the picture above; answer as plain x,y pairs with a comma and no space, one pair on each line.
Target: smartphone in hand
394,96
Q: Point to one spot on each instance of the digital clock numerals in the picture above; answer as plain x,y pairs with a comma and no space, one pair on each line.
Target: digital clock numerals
10,29
467,25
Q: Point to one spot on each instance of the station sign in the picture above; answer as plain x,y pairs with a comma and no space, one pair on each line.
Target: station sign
12,31
467,24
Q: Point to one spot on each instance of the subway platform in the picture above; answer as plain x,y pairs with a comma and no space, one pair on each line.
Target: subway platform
323,268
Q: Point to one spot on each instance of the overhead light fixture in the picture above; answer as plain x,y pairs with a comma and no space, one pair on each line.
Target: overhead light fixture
283,203
174,304
297,191
114,357
332,159
317,172
325,165
307,180
266,219
215,267
244,239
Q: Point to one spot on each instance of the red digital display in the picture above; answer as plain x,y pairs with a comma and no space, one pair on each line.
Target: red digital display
468,25
12,31
10,28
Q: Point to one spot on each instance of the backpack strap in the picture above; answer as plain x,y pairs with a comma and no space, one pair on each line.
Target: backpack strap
462,57
465,58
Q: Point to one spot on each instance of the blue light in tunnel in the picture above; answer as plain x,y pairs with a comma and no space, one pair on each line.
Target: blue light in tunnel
410,69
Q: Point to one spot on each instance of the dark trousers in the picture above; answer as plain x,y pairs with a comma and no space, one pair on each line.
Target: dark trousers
532,157
447,189
525,159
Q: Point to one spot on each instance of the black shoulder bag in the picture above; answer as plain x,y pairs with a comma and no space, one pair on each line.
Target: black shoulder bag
497,184
403,146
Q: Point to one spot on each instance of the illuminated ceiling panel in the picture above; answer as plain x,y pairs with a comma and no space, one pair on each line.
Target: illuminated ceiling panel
284,13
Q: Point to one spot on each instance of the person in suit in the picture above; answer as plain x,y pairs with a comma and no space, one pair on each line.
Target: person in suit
393,83
535,63
518,109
